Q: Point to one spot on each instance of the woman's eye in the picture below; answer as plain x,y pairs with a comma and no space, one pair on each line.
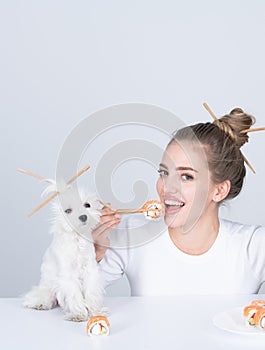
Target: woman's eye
87,205
187,177
68,211
162,172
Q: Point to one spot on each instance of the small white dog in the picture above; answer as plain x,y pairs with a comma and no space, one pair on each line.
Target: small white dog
70,275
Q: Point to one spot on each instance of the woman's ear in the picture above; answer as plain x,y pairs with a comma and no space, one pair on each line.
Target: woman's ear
221,191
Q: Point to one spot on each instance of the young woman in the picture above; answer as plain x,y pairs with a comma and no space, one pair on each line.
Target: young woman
198,253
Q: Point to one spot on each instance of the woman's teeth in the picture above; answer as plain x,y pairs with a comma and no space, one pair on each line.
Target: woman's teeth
170,202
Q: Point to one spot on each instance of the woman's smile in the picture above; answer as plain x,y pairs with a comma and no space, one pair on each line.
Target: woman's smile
173,205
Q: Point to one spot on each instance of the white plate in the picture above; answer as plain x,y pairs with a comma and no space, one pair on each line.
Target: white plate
234,321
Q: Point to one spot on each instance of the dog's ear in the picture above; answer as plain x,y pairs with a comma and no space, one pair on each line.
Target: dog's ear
59,186
50,188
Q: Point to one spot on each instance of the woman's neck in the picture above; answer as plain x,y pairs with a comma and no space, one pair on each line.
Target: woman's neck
198,239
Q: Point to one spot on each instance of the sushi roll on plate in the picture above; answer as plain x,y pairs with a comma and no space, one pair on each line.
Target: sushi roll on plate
251,310
259,318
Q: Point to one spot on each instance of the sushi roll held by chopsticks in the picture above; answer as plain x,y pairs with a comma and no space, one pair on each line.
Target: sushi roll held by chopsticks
98,325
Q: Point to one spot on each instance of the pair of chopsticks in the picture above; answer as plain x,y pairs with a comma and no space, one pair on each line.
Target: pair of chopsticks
121,211
55,193
243,131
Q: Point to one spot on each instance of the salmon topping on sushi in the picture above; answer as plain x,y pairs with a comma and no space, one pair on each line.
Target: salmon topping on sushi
255,313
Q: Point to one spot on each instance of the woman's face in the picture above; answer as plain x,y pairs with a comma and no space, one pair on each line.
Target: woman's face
184,184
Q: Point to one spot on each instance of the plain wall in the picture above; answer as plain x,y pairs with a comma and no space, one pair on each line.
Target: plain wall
63,60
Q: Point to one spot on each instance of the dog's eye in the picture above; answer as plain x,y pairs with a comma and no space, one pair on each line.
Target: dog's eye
87,205
68,211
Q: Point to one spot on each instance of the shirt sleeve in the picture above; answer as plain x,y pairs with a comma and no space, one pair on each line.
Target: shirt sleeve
115,260
122,241
256,253
112,266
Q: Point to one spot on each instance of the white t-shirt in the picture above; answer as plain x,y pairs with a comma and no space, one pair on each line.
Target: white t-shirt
235,264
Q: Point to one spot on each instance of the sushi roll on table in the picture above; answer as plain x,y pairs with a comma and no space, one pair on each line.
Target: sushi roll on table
98,325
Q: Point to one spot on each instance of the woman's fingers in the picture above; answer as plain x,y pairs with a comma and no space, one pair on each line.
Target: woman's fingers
108,221
103,229
107,212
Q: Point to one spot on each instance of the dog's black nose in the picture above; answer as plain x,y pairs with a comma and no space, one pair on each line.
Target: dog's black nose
83,218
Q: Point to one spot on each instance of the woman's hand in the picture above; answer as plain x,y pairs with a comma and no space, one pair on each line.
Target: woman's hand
108,221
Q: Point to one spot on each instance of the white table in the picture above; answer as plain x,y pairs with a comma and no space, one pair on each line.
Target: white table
182,322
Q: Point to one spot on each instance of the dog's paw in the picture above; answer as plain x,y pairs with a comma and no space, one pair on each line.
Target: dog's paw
40,299
38,306
34,303
81,317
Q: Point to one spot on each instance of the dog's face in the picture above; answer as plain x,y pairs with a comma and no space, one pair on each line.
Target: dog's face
76,211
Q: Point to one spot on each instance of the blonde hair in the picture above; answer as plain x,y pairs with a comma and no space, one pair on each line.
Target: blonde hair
222,141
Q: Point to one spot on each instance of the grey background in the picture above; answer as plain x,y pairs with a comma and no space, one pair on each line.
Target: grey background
63,60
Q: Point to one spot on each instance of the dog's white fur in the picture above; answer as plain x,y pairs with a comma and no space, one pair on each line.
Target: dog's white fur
70,275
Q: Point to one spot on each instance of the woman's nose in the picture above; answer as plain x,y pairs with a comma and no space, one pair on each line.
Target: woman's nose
171,184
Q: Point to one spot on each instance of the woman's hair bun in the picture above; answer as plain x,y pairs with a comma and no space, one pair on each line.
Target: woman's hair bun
237,110
237,121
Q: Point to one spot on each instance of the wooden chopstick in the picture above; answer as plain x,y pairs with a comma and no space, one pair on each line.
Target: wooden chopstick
31,174
78,174
43,203
251,130
209,111
126,211
55,193
107,205
129,211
